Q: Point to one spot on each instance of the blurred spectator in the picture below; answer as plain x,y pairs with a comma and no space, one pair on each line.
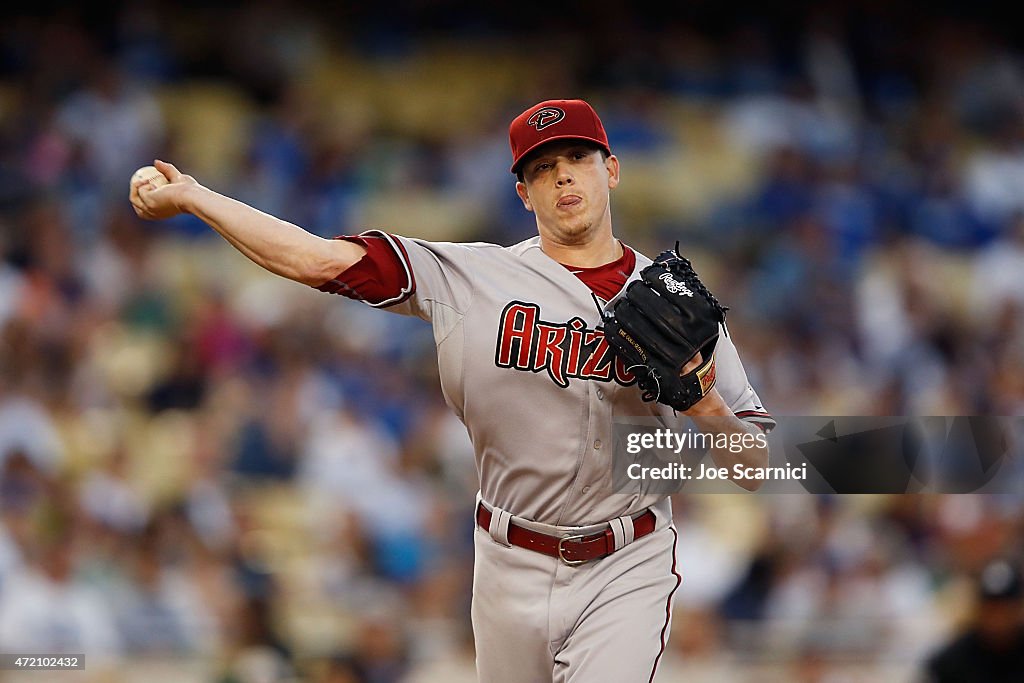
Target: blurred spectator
257,652
184,386
267,447
45,607
11,283
381,650
354,466
108,496
158,608
341,668
991,648
996,282
994,174
27,428
116,122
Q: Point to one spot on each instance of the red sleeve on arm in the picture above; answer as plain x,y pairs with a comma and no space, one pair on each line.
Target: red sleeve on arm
380,276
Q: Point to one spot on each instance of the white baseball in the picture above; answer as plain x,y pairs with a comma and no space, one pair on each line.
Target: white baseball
150,173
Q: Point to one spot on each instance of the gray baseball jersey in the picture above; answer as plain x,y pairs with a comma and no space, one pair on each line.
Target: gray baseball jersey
525,368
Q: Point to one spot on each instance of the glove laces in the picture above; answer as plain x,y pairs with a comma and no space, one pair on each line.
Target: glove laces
648,395
693,281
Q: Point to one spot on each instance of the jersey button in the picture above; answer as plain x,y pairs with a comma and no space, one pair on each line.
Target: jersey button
597,444
600,394
586,489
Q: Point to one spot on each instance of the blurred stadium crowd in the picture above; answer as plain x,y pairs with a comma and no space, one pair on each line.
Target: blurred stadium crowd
239,479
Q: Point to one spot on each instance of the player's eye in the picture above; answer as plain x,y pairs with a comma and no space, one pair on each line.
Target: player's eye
542,166
579,156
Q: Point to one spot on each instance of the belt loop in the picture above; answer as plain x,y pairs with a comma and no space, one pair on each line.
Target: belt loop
499,526
622,531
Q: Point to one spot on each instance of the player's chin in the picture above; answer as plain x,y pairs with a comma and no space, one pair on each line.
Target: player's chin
579,233
577,225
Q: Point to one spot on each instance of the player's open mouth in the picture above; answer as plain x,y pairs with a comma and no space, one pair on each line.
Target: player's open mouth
569,200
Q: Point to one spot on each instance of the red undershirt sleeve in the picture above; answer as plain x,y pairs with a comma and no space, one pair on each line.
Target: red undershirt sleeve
379,276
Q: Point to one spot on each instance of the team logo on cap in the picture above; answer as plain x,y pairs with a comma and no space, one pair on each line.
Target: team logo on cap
542,118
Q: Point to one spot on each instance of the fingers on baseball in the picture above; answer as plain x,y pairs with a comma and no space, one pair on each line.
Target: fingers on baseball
138,195
170,172
139,190
140,200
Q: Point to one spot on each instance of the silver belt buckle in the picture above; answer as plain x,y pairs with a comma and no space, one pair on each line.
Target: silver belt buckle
561,552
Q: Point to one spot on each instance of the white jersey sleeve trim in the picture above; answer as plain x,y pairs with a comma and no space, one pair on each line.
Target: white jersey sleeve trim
757,417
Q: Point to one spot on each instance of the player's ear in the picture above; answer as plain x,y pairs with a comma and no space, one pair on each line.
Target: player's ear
612,164
524,196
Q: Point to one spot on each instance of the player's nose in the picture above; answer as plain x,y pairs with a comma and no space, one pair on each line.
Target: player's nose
563,175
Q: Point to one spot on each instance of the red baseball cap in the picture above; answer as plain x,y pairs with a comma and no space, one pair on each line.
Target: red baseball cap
554,120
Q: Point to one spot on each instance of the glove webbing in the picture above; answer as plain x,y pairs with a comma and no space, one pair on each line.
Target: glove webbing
691,280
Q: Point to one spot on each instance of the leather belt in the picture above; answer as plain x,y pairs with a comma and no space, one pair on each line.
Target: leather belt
572,550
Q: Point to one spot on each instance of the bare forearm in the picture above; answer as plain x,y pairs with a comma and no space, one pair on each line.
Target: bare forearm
743,443
276,245
752,454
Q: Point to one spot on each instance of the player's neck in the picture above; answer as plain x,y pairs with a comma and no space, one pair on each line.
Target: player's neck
591,254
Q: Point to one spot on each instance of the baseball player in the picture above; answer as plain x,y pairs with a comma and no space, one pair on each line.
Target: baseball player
572,581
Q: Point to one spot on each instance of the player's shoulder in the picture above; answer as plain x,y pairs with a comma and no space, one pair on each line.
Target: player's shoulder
442,247
469,255
519,251
439,244
524,247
